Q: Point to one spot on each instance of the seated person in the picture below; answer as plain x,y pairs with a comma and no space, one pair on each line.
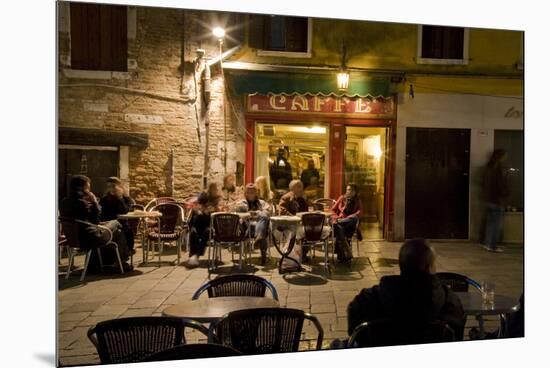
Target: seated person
199,224
115,203
264,192
294,201
415,295
346,213
82,204
231,193
251,202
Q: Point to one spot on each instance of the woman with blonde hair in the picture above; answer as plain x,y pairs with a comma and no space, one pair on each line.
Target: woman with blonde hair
264,191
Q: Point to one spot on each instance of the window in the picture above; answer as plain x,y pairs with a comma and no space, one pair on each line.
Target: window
99,37
275,35
442,45
511,141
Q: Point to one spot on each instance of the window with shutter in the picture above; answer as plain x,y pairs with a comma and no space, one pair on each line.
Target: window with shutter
276,33
99,37
442,42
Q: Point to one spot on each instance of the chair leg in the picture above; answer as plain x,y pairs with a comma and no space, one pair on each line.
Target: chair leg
86,263
100,258
178,249
326,256
70,255
118,259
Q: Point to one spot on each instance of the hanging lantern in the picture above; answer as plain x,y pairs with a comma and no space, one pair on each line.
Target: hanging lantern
343,79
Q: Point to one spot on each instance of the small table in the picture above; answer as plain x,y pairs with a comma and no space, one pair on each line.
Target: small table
142,216
208,310
474,306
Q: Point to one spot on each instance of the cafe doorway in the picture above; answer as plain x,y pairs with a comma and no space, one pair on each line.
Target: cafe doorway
365,164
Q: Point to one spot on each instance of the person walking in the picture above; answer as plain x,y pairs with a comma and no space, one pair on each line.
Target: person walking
495,190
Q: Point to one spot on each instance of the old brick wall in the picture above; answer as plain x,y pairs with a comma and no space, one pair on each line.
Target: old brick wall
158,89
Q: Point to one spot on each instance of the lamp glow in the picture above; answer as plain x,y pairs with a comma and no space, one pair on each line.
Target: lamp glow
218,32
343,79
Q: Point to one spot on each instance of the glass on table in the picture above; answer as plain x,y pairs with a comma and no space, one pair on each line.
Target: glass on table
488,293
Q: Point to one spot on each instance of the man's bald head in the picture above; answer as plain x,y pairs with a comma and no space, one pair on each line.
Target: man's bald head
416,256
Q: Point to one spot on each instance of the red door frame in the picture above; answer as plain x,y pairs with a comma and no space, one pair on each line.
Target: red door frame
336,141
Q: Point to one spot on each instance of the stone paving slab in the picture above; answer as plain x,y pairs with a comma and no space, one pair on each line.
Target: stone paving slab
149,289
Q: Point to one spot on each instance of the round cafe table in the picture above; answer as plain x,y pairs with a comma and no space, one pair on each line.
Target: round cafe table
207,310
142,216
288,223
473,305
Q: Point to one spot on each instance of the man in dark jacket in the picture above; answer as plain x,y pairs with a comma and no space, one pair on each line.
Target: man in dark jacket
414,296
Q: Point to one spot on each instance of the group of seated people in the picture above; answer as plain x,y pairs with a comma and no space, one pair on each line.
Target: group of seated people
258,197
81,204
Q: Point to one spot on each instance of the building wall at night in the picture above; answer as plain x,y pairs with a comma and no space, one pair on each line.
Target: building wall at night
155,97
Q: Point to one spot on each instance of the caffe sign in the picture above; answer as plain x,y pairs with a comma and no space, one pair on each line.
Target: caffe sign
334,105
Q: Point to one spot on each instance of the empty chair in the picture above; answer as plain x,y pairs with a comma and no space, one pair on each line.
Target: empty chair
237,285
71,228
457,282
192,351
263,330
225,230
128,340
314,224
170,230
387,332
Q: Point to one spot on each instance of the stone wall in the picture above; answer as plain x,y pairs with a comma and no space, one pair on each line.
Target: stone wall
156,97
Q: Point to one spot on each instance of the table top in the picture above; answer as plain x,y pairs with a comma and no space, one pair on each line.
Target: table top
286,218
327,214
207,309
140,214
473,304
243,215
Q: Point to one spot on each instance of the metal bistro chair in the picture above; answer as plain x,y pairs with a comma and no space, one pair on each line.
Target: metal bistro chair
237,285
129,340
263,330
457,282
225,230
193,351
387,332
170,228
314,224
70,229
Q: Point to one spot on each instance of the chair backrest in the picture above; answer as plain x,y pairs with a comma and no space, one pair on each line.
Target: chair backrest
172,215
225,227
322,202
192,351
136,206
387,332
263,330
313,226
70,228
127,340
457,282
237,285
159,200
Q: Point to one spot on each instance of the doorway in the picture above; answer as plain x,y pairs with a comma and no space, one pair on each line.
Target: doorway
96,163
365,165
437,183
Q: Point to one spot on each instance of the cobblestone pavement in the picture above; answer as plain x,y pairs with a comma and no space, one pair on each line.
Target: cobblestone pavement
149,289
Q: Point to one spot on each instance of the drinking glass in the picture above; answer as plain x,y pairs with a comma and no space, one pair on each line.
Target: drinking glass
488,292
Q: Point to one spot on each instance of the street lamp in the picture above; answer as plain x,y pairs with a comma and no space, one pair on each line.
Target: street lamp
219,33
343,79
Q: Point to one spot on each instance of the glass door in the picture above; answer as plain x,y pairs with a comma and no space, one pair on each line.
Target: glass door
365,165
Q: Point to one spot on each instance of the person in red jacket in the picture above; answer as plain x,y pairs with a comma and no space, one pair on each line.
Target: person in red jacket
346,213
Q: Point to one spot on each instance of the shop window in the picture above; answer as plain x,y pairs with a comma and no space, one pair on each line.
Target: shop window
511,141
272,34
445,45
99,37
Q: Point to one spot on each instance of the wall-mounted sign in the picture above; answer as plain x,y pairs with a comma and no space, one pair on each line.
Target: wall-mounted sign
346,106
513,113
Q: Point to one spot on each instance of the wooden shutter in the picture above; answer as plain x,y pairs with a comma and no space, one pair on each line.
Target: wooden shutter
256,28
442,42
99,38
296,34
